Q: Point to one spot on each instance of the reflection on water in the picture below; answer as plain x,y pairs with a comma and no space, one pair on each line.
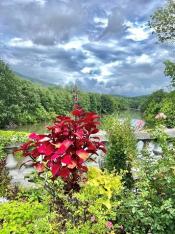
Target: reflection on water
42,127
130,114
39,127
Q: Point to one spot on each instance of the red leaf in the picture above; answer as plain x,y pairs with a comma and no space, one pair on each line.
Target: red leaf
72,165
77,112
64,146
36,137
94,131
33,136
82,154
64,172
90,116
55,169
55,156
83,168
25,146
46,149
67,159
57,130
68,145
91,147
79,133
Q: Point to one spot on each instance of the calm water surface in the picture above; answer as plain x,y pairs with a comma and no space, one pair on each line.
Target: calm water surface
42,127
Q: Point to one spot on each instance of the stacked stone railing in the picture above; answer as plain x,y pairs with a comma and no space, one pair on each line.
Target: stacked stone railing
144,139
18,168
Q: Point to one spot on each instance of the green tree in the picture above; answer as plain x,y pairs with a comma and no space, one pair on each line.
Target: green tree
170,71
23,102
121,150
152,106
162,21
163,24
107,104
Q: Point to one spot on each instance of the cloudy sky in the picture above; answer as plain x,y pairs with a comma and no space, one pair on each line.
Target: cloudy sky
103,45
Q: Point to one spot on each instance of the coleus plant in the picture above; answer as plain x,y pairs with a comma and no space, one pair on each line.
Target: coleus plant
66,149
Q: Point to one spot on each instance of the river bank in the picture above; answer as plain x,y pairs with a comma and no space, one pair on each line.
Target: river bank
42,126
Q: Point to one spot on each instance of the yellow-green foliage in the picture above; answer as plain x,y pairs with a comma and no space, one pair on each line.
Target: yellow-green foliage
88,210
96,203
10,137
13,136
24,218
100,188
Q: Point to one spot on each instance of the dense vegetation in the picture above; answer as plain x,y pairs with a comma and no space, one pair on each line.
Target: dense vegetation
25,217
151,208
160,102
121,148
162,22
23,102
10,137
133,194
102,204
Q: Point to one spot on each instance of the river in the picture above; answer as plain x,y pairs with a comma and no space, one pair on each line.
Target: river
42,127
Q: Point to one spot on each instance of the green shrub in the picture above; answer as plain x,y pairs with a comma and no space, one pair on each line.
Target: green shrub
31,194
88,210
10,137
4,178
121,150
150,208
24,218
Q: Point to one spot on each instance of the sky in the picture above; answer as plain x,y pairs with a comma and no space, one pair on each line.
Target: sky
103,46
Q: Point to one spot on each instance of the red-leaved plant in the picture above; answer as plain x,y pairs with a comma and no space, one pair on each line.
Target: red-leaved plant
67,147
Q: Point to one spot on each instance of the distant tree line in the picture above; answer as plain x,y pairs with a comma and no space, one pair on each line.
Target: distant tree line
23,102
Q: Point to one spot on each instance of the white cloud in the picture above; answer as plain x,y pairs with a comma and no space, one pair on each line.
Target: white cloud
137,32
105,71
21,43
142,59
109,68
74,43
102,22
56,41
86,70
41,2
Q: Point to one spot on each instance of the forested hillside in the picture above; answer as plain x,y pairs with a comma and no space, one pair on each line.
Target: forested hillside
23,102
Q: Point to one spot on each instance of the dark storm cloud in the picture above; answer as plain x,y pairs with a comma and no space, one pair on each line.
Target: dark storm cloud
43,24
105,46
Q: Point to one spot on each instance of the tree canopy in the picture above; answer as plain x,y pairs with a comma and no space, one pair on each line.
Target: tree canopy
23,102
163,23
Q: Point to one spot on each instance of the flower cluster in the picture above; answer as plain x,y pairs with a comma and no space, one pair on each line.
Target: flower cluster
70,143
160,116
